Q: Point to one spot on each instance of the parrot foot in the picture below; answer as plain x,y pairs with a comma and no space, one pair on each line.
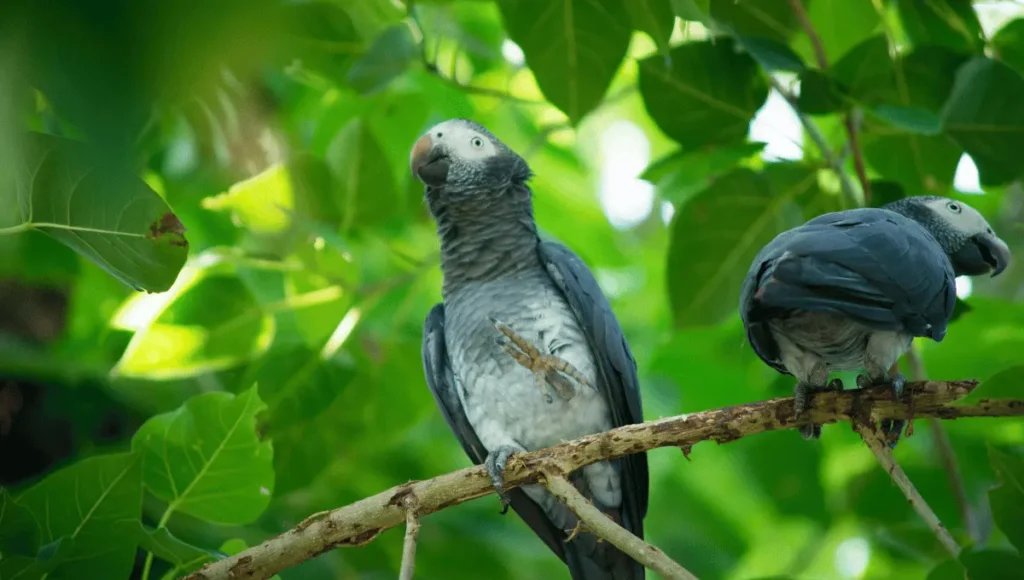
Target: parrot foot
495,463
802,393
548,370
891,428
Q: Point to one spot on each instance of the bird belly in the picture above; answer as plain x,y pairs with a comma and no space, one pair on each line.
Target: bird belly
501,398
834,339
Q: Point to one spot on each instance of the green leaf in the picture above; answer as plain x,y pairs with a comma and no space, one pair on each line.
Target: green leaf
104,213
865,72
708,96
96,503
573,47
1007,500
206,460
1008,44
885,191
365,192
773,56
771,19
1005,384
743,207
164,545
388,56
215,323
19,532
693,10
683,174
322,38
985,115
266,202
840,24
949,23
14,567
654,17
913,119
919,163
992,565
297,384
819,94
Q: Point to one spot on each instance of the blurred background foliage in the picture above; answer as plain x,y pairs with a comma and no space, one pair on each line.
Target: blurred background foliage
166,402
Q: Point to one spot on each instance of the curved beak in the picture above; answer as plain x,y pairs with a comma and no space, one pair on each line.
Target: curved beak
981,254
429,162
994,252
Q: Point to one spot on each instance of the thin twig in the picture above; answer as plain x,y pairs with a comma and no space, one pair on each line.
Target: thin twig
946,454
880,448
359,523
851,120
834,161
603,526
412,533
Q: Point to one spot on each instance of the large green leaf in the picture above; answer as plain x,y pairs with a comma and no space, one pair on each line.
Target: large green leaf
573,47
19,532
298,383
949,23
322,38
919,161
682,174
654,17
1008,44
716,234
213,324
206,460
708,96
1007,500
388,56
985,115
771,19
365,192
95,503
840,24
164,545
105,213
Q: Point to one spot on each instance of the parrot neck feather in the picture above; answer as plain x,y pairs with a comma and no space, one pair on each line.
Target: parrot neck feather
486,237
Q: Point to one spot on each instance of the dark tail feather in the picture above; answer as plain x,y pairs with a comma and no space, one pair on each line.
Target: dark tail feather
589,559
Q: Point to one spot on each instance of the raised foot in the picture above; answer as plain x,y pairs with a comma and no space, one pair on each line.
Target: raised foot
548,370
802,393
495,463
892,428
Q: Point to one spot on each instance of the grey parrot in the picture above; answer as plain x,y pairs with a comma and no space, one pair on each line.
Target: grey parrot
850,290
496,269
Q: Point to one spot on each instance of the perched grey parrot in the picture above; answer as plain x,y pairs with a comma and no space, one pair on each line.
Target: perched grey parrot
496,268
850,290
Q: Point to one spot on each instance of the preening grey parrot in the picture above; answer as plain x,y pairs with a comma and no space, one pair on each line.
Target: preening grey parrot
496,267
850,290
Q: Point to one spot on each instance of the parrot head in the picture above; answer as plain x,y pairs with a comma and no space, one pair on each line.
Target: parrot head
459,157
973,248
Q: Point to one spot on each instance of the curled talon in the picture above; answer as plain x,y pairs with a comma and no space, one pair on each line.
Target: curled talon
548,370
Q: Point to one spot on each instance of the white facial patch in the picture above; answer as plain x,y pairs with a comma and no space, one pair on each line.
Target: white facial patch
462,141
962,216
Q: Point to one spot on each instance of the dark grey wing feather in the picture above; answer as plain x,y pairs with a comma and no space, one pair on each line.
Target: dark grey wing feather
871,265
441,381
617,373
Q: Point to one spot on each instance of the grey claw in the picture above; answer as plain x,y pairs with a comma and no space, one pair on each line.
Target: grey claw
810,431
495,464
898,382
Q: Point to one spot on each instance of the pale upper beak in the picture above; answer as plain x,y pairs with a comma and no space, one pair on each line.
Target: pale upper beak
429,162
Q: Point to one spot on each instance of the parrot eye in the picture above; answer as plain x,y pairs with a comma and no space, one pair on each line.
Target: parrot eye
477,142
953,207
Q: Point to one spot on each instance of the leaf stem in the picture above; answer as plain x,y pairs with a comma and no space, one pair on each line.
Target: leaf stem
160,525
10,230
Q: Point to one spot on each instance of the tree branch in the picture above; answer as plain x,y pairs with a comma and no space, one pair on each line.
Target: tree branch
850,121
412,533
359,523
946,454
603,526
878,446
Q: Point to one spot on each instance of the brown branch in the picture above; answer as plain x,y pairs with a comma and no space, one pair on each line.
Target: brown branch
359,523
876,442
603,526
412,533
850,121
946,454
